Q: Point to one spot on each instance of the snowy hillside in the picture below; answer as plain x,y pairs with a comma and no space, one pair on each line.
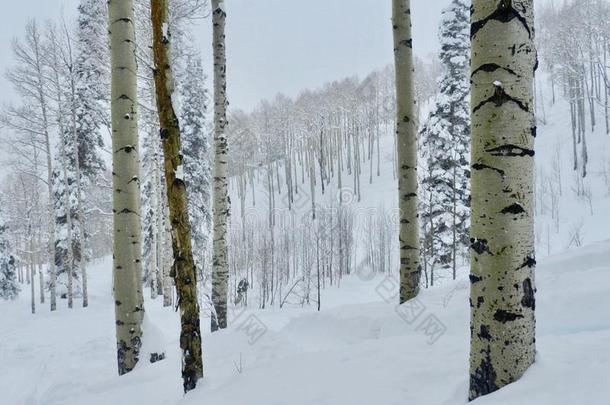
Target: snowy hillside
359,350
164,241
575,220
565,217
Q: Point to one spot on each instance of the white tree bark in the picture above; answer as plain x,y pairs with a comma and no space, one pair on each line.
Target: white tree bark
129,308
221,208
502,245
406,142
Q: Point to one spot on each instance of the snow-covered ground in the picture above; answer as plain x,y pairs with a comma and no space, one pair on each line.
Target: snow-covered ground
359,350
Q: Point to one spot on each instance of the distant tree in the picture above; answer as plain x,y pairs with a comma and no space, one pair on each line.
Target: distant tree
9,288
445,148
195,135
30,78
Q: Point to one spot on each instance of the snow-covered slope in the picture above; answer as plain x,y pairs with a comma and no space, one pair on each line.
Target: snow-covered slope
358,350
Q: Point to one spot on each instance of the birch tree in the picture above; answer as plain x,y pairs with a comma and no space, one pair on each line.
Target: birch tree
30,81
220,266
129,305
183,270
502,235
406,134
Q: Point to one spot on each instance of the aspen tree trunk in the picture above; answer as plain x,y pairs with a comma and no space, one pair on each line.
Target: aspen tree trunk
183,269
129,305
502,234
220,268
32,269
168,295
42,98
160,231
406,149
153,254
39,259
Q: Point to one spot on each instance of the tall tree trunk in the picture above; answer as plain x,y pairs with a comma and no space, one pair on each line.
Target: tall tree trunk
39,260
183,269
502,244
32,269
220,268
406,133
42,98
129,305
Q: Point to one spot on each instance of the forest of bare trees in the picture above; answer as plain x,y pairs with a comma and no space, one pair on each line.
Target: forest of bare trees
119,144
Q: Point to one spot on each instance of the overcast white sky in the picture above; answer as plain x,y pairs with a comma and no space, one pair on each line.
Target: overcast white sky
273,45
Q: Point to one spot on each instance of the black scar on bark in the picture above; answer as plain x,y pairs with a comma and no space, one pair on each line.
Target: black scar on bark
534,131
474,279
528,262
484,333
483,380
127,149
513,209
528,300
505,12
480,166
220,12
499,98
480,301
510,150
407,42
480,246
127,211
503,316
492,67
163,133
124,97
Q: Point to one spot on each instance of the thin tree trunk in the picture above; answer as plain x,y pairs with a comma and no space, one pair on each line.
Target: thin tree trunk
502,235
183,270
47,143
32,270
39,259
221,209
406,133
127,249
